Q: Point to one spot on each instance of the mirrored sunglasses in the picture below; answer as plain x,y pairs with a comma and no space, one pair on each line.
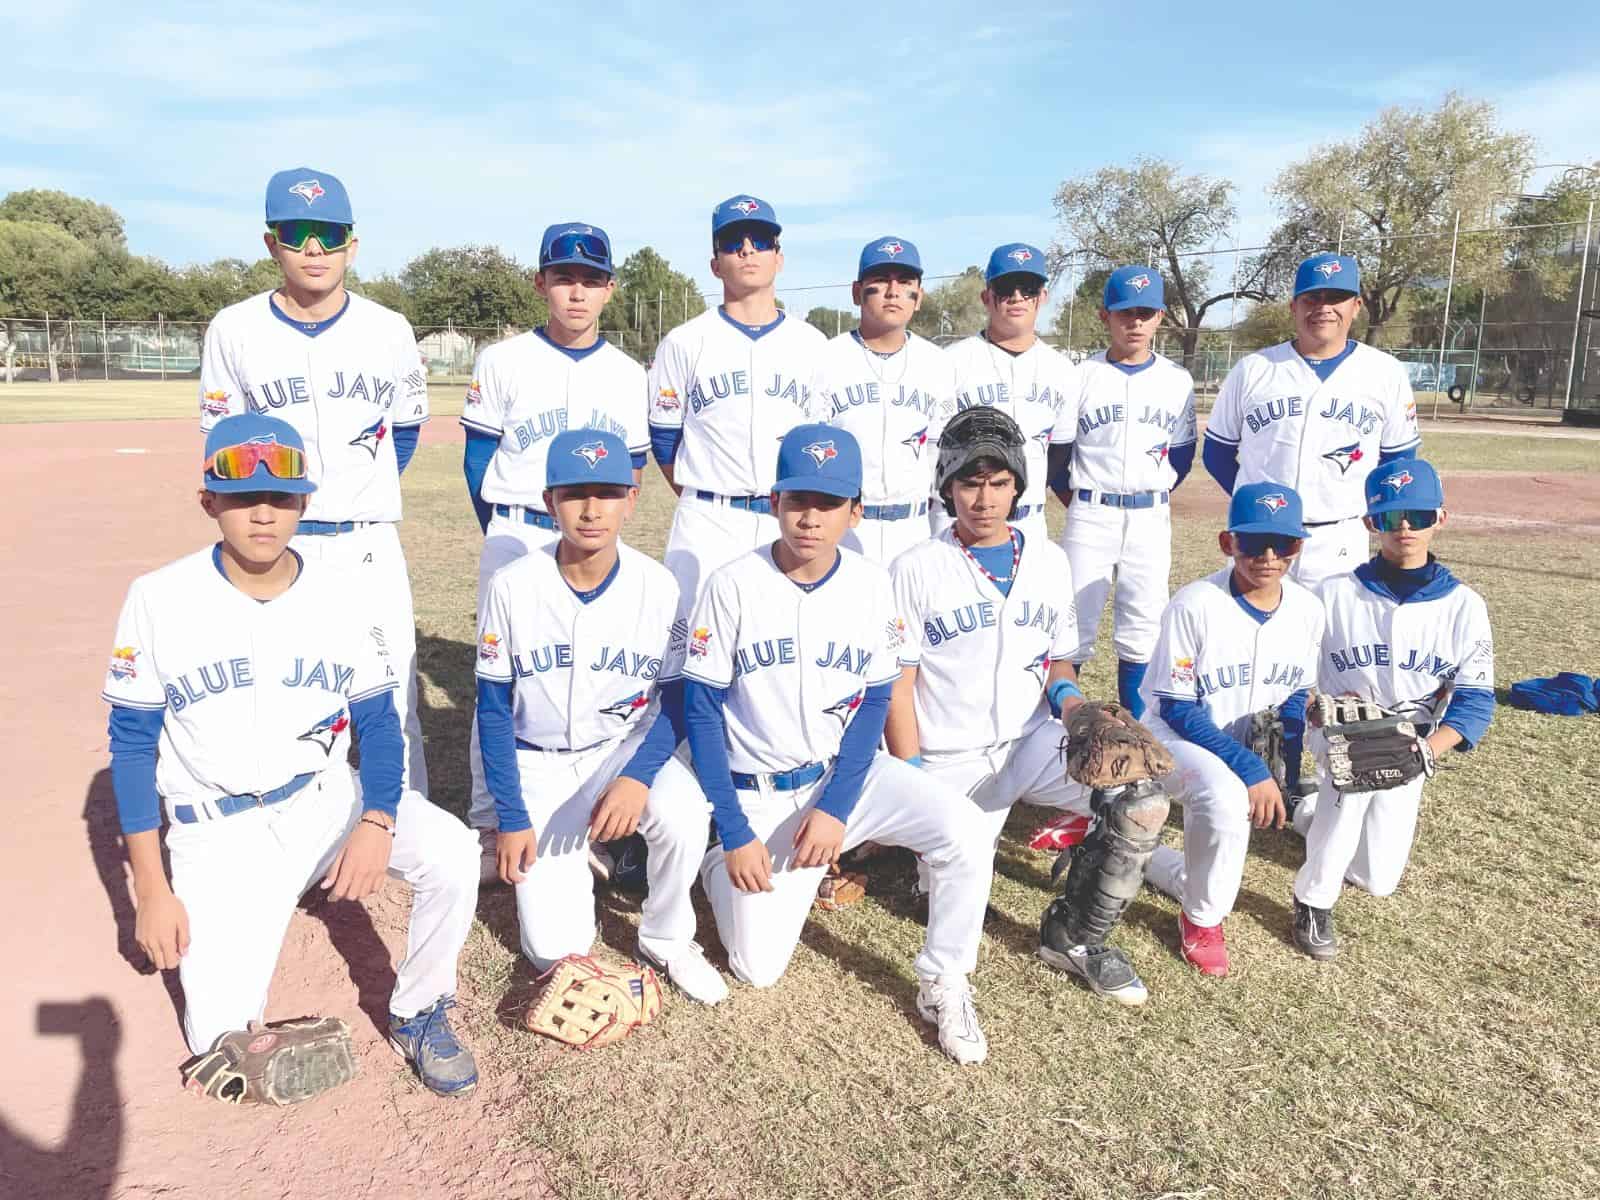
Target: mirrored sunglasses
1254,545
732,241
293,235
578,245
1009,285
240,462
1417,518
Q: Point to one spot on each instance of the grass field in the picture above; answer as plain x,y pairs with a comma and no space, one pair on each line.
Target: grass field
1449,1052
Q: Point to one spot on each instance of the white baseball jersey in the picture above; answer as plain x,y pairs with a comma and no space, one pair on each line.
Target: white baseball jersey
583,674
895,405
526,389
1320,438
734,396
1212,651
787,655
343,390
1035,388
253,694
1127,423
982,658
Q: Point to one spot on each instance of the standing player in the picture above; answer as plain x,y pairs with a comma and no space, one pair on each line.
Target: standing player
1318,412
571,641
1007,367
790,661
1406,633
346,374
238,674
893,391
525,391
986,674
724,389
1134,445
1232,645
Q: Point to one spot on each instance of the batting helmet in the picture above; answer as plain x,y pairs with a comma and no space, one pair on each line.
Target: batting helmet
974,433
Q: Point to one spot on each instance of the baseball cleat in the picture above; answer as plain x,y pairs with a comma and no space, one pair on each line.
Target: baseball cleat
947,1003
1300,804
689,972
1313,931
1105,969
1203,946
427,1042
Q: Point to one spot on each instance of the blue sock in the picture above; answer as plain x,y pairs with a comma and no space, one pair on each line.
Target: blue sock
1130,675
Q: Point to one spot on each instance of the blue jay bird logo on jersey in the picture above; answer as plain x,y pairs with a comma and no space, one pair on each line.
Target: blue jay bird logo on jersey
309,190
1040,666
1158,453
591,453
1329,269
745,206
916,441
1021,254
821,452
846,708
891,249
1273,501
370,438
326,731
1043,437
1343,456
1139,282
625,709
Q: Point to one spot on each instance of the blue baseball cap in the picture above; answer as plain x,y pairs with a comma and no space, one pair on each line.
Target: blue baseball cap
1328,272
819,458
1016,258
1266,507
242,430
575,242
740,209
1134,287
1403,483
579,456
889,252
301,193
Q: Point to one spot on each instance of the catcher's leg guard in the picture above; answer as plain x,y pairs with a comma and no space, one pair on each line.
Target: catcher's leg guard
1107,869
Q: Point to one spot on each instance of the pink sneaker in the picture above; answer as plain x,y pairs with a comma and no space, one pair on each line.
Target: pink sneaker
1203,946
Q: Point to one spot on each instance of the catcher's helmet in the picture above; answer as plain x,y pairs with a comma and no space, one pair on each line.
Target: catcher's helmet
979,432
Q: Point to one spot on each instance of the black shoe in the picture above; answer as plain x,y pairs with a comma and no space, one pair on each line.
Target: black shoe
1313,931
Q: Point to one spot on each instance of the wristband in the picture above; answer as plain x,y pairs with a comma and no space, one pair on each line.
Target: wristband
368,819
1059,691
914,761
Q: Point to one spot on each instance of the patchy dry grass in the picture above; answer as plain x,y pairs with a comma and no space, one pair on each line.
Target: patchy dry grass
1449,1052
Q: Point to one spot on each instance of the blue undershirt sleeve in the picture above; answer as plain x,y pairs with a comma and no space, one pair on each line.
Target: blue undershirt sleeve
1386,456
1182,460
708,743
856,749
405,444
383,751
475,465
663,738
497,740
664,441
639,458
135,733
1468,713
1221,461
1190,721
1293,716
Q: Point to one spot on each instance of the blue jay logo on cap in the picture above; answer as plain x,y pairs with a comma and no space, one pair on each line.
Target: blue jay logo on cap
267,438
916,441
592,453
1343,456
1273,501
369,439
891,249
821,452
1139,282
576,229
309,190
1399,479
1021,254
746,205
626,708
1158,453
1329,269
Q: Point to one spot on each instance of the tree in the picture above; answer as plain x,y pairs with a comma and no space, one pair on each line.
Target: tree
953,308
38,264
1078,325
1124,215
1394,193
471,287
205,290
385,290
832,321
83,219
650,299
1267,324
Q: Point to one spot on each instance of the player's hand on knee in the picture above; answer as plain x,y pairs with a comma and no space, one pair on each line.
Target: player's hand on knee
616,814
750,867
819,840
358,871
515,853
161,928
1266,805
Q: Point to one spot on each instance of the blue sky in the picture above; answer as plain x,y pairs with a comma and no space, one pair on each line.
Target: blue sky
947,123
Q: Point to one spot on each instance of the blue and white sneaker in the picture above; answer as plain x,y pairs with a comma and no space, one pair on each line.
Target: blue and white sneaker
426,1041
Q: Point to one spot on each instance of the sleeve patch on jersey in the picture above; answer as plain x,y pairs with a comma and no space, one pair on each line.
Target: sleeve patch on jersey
214,404
1183,671
489,647
474,394
123,659
700,642
897,633
667,400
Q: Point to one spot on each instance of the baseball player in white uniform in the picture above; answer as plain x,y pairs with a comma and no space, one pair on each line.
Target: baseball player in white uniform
346,373
1232,645
724,389
790,661
1134,444
237,676
571,643
1406,633
525,391
1007,367
894,391
986,672
1318,413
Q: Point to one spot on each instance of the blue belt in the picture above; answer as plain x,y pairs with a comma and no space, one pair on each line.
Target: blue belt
522,745
1027,510
530,516
894,512
226,806
325,527
755,504
782,781
1133,500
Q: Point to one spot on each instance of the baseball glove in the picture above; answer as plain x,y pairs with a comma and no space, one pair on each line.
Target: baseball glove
1266,742
283,1062
1107,748
1370,748
839,889
587,1004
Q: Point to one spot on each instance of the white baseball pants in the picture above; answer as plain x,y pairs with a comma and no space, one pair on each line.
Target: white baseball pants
1203,877
706,534
240,878
1331,550
1361,838
884,541
1132,549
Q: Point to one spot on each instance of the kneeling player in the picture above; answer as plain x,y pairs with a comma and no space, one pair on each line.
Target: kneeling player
791,659
1232,645
237,675
571,641
1407,634
986,664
